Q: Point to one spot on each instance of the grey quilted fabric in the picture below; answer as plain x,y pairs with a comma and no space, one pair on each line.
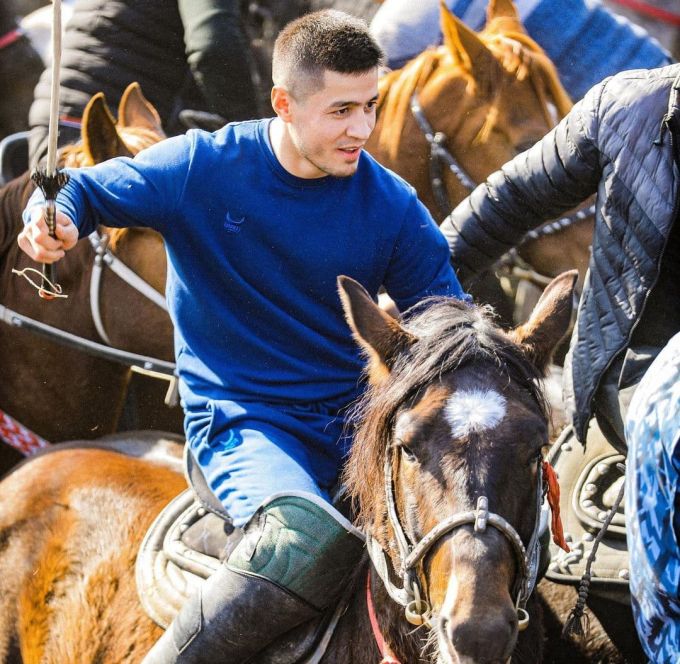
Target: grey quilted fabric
616,143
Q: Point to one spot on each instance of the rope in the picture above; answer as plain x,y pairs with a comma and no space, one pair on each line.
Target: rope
574,624
10,37
53,290
387,654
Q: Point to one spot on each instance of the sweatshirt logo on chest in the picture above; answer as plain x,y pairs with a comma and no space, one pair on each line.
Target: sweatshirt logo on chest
233,225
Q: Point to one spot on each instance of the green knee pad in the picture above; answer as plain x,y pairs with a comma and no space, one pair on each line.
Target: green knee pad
301,543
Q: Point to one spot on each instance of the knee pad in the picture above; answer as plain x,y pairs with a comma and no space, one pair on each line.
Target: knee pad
300,543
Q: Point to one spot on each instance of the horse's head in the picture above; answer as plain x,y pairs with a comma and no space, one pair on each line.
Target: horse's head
454,413
103,137
486,97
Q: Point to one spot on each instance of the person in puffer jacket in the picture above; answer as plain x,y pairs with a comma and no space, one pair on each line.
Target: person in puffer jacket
191,53
20,67
621,142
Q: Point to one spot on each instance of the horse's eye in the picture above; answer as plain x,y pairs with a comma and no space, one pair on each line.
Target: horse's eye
408,453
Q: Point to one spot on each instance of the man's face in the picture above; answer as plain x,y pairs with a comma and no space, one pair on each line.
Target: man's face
330,127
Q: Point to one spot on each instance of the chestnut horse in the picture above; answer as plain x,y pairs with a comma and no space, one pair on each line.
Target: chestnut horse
62,393
482,98
453,413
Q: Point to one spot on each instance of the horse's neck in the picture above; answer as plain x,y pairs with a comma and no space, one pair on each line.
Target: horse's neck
355,641
13,197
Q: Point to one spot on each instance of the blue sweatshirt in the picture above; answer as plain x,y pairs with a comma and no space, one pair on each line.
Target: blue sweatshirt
254,253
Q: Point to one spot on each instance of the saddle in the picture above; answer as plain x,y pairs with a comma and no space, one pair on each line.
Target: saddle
590,480
187,542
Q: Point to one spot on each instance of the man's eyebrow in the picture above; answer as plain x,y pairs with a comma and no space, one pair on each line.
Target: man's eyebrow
339,104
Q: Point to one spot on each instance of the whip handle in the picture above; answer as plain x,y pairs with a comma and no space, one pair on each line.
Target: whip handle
49,270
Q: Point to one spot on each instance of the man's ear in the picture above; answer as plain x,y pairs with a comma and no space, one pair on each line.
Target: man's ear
281,102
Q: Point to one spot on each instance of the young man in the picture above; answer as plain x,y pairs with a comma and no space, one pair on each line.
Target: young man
259,219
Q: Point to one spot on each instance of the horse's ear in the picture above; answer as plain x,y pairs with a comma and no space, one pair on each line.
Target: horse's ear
135,110
464,45
502,8
549,321
98,132
378,333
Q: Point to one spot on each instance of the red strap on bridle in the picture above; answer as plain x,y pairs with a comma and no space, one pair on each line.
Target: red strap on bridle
19,437
10,37
554,501
646,9
387,654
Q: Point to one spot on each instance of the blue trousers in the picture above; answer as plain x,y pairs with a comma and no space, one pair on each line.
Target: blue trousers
249,451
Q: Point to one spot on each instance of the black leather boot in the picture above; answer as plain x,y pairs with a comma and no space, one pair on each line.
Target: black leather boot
295,553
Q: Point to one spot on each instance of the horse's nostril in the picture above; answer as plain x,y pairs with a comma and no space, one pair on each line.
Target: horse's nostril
486,638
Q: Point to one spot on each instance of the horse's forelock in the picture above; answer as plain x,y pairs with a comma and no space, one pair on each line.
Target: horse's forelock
450,335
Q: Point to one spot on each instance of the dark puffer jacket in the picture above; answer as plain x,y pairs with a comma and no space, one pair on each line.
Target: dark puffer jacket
616,142
165,45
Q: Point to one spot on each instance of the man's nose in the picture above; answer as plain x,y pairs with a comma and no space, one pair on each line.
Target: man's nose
361,125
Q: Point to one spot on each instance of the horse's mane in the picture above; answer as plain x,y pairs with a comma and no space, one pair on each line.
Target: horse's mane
517,55
450,335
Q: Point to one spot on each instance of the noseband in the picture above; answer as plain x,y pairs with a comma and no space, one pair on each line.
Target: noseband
410,595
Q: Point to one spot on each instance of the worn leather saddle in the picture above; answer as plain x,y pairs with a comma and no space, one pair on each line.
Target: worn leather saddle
187,542
590,479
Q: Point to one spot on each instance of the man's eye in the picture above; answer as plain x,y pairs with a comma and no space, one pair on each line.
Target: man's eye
341,111
371,105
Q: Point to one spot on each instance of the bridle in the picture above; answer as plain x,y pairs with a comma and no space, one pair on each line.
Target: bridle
441,158
410,595
104,257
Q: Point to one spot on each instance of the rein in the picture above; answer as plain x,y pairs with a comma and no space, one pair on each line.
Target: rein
645,9
410,595
440,157
144,364
105,257
386,652
10,37
19,437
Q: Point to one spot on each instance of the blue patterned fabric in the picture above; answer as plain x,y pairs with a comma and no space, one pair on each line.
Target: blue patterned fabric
653,505
583,38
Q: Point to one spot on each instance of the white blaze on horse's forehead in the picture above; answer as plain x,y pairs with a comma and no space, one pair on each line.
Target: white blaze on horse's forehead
474,410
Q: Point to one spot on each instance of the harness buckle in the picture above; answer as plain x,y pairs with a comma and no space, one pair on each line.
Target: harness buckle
481,514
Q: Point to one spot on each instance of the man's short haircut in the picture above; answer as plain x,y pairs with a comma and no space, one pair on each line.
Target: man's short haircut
324,40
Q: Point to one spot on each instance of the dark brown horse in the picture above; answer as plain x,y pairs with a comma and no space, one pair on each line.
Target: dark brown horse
62,393
453,413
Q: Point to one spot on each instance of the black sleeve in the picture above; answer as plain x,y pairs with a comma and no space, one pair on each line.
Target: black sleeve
218,52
